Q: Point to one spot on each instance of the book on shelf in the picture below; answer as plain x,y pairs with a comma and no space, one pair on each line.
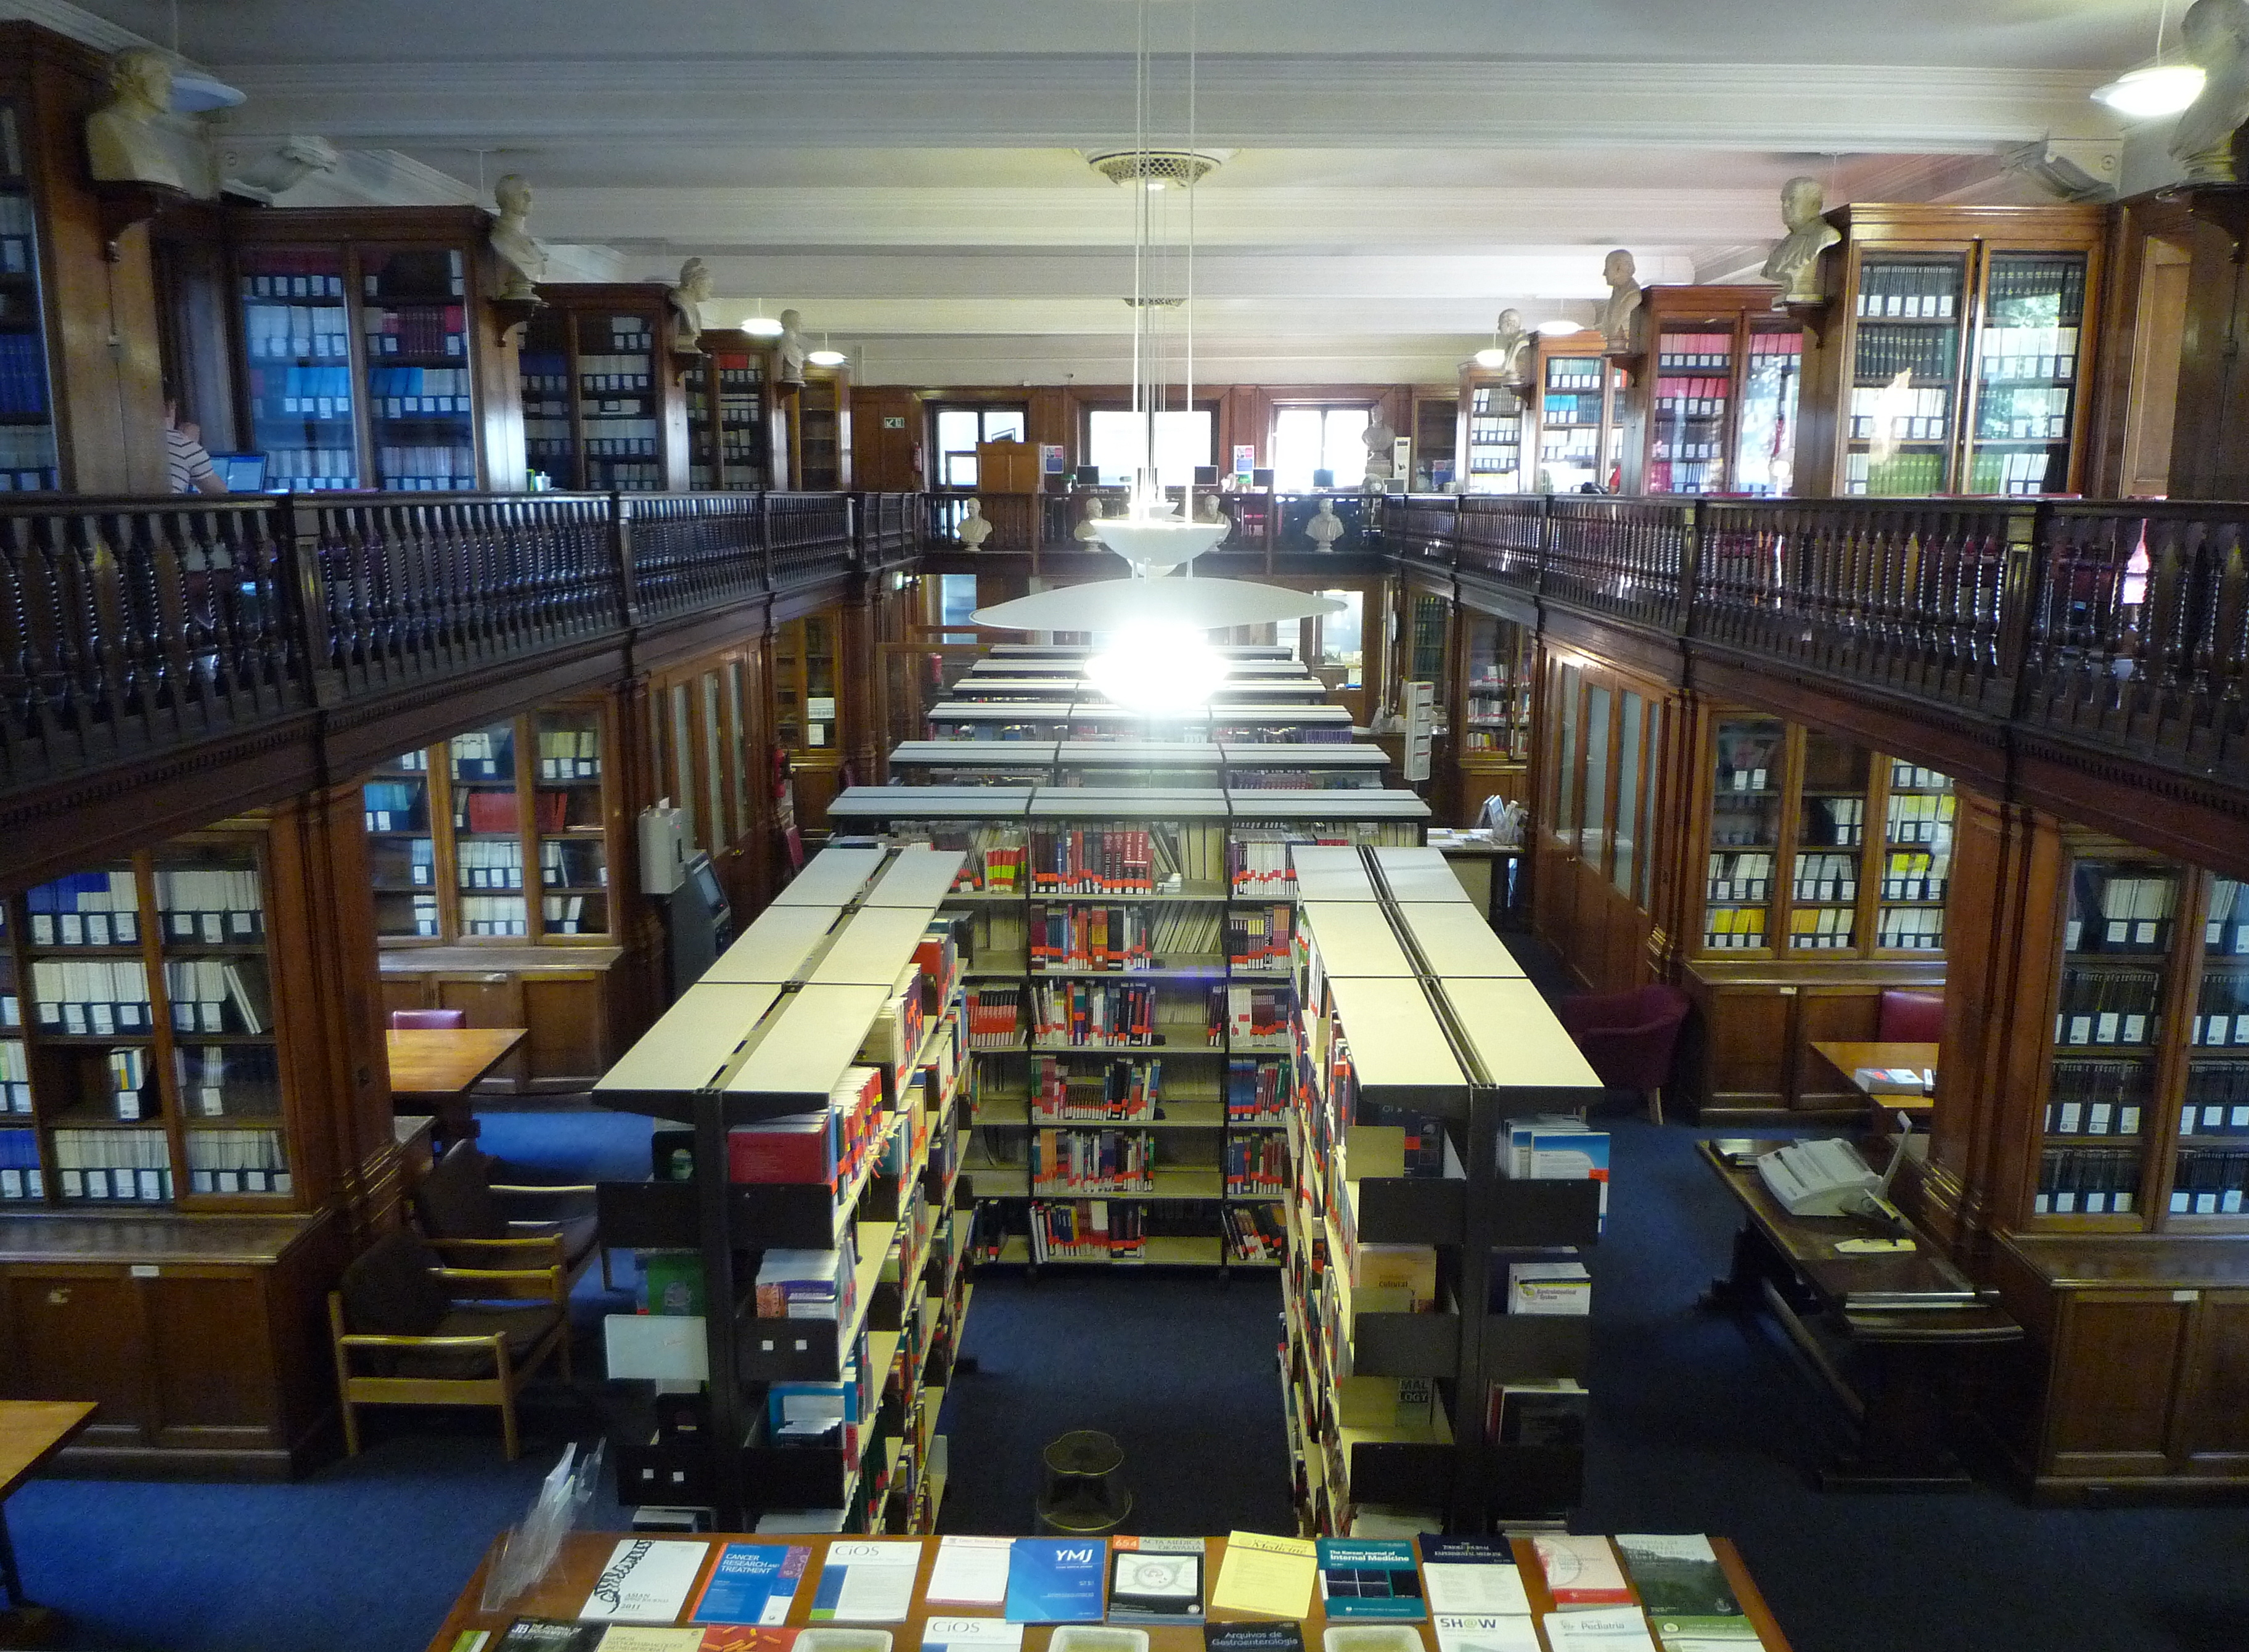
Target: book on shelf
124,1165
97,997
2209,1184
2087,1181
84,909
1549,1412
2111,1007
807,1284
1556,1147
1553,1288
20,1174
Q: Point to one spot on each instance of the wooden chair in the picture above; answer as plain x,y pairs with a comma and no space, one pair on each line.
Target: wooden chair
1628,1038
471,1199
429,1020
429,1334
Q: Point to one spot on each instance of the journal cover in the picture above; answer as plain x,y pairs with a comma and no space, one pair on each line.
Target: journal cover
1580,1570
971,1634
1486,1632
1359,1578
867,1582
753,1583
1253,1637
1055,1580
1469,1577
1682,1588
647,1580
545,1635
1155,1580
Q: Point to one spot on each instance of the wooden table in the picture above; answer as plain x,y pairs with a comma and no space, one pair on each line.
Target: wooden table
1848,1058
30,1432
433,1068
1919,1320
584,1553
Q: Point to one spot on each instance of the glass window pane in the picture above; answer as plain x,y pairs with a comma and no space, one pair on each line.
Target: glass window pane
1629,754
1004,424
1114,445
1566,810
1644,893
956,429
960,469
1295,448
488,833
1593,841
1340,634
1344,448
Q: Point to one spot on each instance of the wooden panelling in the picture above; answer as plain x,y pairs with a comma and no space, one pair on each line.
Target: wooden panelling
200,1380
567,1013
2109,1404
77,1334
2213,1412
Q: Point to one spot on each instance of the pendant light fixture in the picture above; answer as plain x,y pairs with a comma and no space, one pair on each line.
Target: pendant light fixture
1159,659
761,326
826,355
2159,89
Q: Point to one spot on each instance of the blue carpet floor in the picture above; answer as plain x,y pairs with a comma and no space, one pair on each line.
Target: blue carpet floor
1701,1422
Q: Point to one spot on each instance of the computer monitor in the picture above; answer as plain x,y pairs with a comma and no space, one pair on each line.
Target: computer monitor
1323,478
1089,476
1205,476
242,473
1262,480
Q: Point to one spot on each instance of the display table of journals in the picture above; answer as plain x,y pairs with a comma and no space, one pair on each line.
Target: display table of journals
616,1592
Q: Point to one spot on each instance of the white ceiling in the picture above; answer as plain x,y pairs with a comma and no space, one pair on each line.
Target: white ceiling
907,173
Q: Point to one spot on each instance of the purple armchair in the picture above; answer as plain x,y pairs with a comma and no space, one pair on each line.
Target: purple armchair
1910,1018
1627,1038
424,1019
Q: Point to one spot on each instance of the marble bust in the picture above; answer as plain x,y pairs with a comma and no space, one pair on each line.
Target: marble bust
523,258
975,528
687,301
1508,338
1794,263
122,144
2216,36
790,349
1615,323
1380,439
1087,531
1324,527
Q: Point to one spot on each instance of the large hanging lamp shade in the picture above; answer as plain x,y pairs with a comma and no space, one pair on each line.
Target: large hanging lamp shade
1109,605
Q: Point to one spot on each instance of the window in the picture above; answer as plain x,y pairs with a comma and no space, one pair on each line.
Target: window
1114,446
959,431
1630,756
1592,840
1306,439
1334,638
956,603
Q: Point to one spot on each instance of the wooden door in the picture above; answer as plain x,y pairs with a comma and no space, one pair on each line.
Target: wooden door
2212,1429
211,1358
567,1013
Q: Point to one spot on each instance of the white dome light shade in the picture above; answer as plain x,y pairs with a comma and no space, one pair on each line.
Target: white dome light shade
1156,545
1493,358
763,327
826,358
2163,88
1110,605
1557,328
1157,669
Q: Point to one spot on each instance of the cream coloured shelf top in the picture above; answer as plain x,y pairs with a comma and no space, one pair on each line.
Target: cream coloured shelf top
1419,874
1514,1036
1005,756
1453,939
1397,1043
833,877
873,805
1330,872
1353,938
694,1043
874,948
814,1038
920,877
777,948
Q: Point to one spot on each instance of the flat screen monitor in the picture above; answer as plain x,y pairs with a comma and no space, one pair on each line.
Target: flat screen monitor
242,473
704,882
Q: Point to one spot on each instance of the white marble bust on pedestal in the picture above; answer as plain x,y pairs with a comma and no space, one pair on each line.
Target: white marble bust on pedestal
687,301
122,144
1794,263
1622,273
2217,35
523,259
789,351
975,528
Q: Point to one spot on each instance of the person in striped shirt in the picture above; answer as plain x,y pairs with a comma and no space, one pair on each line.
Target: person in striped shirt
187,463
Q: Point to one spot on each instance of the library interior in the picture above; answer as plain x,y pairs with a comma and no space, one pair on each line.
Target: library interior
1147,824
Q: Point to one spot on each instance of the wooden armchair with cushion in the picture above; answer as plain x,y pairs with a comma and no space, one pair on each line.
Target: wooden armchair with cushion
409,1331
483,1212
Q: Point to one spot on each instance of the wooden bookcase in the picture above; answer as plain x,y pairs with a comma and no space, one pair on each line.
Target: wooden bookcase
1819,874
498,866
812,996
193,1119
1489,458
83,411
367,355
1576,412
820,430
604,405
731,429
1436,440
1952,353
1491,720
1713,404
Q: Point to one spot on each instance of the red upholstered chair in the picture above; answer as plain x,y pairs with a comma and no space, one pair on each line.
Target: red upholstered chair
1628,1038
411,1020
1910,1018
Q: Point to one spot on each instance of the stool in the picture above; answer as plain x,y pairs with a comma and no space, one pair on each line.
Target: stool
1084,1495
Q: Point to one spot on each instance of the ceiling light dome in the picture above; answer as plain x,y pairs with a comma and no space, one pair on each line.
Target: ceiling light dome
2159,89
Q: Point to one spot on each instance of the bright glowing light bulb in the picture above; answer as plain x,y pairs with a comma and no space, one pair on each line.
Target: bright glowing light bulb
2160,89
1557,328
1491,358
1158,670
763,327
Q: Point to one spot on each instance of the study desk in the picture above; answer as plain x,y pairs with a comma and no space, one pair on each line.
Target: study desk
1918,1320
32,1431
571,1579
1848,1058
433,1068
